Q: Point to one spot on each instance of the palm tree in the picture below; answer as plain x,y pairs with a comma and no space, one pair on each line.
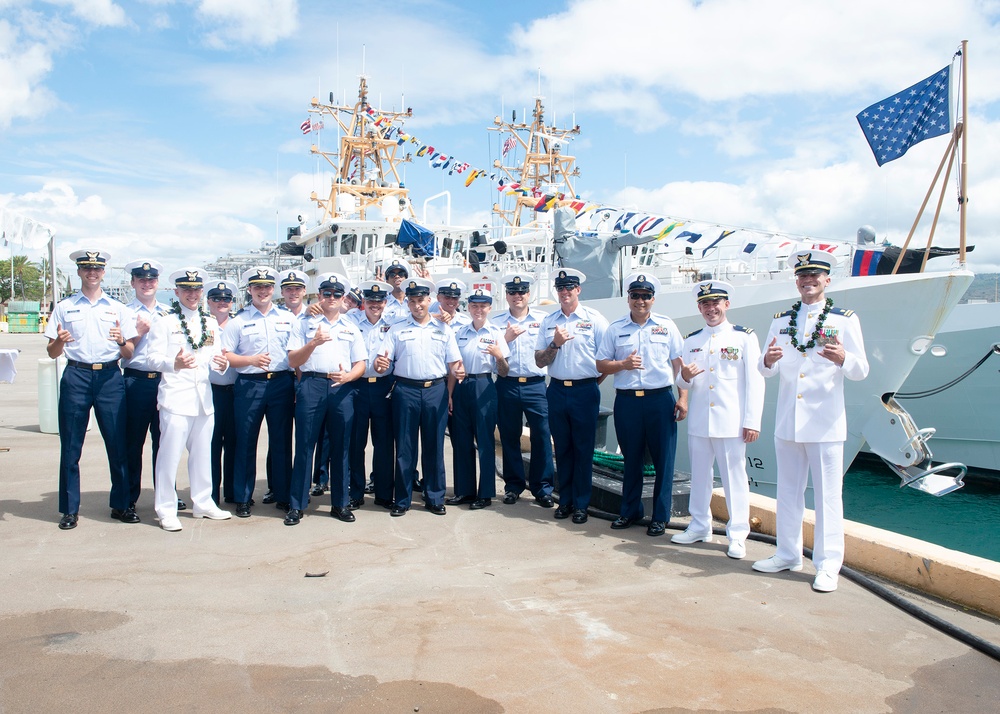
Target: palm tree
25,276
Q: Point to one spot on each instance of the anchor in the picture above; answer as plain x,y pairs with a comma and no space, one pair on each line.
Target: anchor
896,439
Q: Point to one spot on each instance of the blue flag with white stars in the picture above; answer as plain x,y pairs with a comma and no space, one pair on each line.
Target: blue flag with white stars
919,112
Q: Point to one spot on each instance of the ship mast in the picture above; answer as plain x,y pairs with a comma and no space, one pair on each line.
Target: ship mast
366,163
546,170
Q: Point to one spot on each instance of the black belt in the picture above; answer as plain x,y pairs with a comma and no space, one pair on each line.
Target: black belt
225,387
525,380
643,392
574,382
320,375
479,376
95,366
265,375
373,380
423,383
141,373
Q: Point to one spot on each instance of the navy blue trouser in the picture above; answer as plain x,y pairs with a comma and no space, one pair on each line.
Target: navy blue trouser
255,400
79,390
223,443
142,417
513,401
319,406
641,423
373,411
419,412
321,465
473,423
573,422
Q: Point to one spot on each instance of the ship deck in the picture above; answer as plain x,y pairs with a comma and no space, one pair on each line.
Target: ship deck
503,609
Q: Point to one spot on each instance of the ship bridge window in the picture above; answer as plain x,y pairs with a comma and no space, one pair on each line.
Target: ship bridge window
348,243
328,246
390,238
460,246
446,247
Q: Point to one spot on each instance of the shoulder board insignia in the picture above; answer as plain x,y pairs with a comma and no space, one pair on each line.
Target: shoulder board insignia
740,328
786,313
692,334
841,311
240,311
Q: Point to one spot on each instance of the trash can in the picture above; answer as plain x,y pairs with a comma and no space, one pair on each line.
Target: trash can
49,373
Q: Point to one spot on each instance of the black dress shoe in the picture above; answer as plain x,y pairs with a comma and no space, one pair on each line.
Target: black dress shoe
342,514
356,503
418,485
398,511
181,506
459,500
385,503
622,522
437,509
268,497
125,516
370,487
580,517
282,506
317,491
564,512
510,497
480,503
68,522
242,510
656,528
293,517
545,501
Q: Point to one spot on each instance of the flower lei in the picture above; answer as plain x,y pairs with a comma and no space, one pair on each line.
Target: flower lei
792,331
176,309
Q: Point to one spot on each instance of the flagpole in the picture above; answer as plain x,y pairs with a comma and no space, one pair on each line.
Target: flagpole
963,178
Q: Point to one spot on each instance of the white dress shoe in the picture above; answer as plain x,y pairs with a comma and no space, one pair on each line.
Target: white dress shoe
170,524
774,564
688,536
215,515
737,550
825,582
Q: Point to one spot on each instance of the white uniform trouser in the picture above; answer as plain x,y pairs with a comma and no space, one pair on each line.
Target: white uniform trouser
825,460
176,433
730,454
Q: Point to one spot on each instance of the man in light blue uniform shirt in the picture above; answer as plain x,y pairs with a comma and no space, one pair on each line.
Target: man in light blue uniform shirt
94,332
473,403
395,306
449,292
643,351
521,394
256,340
220,301
372,406
141,381
329,352
567,344
423,352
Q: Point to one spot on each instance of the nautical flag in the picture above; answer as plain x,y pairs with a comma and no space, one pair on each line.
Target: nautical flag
545,203
306,126
919,112
663,234
866,262
509,144
692,237
722,236
317,125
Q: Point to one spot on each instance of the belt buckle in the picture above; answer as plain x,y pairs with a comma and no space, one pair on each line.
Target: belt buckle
428,383
269,374
640,392
372,380
522,380
152,375
97,365
567,383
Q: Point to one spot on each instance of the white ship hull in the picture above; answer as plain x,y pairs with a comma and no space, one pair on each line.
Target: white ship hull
896,313
966,416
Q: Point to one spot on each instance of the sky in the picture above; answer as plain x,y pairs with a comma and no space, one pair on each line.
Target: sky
169,129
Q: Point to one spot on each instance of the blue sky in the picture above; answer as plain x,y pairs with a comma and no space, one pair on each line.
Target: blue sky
169,128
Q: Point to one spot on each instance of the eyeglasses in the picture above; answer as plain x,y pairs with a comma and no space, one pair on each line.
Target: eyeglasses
640,296
395,274
218,298
566,288
331,293
518,293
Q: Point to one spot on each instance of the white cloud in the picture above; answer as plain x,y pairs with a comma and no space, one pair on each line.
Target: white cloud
23,66
95,12
248,22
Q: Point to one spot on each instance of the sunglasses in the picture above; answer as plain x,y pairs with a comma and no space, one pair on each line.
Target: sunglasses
331,293
566,288
220,299
640,296
517,292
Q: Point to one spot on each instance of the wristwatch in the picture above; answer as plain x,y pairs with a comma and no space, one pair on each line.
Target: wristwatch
553,345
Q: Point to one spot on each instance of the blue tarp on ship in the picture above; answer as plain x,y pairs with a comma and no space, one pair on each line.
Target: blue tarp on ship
417,238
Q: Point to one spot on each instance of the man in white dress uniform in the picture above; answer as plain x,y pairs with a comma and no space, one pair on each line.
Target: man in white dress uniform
812,348
184,345
726,398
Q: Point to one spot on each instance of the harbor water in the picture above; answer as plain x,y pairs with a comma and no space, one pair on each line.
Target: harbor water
967,520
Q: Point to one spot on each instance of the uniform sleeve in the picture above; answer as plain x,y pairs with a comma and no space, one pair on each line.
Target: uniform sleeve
389,343
684,384
127,322
754,407
55,321
159,340
231,335
452,353
606,347
359,351
297,335
772,334
542,341
855,360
